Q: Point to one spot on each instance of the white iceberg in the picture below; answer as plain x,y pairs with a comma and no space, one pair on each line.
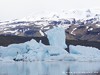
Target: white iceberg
46,53
34,51
56,37
82,53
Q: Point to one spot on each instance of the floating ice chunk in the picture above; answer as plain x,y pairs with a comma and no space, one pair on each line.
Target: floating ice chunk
82,50
56,37
21,47
34,51
7,51
14,49
19,57
32,44
82,53
38,54
30,56
57,53
55,50
45,53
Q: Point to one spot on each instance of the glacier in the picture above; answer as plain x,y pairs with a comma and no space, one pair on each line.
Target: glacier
34,51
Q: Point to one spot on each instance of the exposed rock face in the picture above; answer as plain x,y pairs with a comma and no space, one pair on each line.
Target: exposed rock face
84,32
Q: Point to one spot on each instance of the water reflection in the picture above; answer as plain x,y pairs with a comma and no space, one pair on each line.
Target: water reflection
50,68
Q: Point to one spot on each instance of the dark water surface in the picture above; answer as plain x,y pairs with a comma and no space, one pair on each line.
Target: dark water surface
50,68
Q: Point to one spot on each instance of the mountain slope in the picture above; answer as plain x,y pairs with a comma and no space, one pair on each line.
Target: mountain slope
80,24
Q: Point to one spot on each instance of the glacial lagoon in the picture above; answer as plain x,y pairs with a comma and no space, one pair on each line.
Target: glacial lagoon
50,68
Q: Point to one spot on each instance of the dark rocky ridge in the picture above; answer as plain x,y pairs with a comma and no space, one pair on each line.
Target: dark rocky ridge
7,40
83,32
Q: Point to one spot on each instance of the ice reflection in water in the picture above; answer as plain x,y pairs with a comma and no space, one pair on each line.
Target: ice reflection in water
49,68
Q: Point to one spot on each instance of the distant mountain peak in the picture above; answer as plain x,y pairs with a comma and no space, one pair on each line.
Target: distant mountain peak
47,15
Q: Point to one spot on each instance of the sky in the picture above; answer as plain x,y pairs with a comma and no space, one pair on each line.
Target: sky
17,9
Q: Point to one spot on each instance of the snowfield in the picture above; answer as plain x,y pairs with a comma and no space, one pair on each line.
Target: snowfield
34,51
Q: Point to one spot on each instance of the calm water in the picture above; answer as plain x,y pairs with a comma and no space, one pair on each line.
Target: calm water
50,68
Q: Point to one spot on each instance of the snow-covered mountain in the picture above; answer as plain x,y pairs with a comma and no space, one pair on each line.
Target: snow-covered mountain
36,24
77,14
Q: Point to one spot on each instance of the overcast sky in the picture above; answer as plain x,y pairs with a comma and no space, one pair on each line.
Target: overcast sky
12,9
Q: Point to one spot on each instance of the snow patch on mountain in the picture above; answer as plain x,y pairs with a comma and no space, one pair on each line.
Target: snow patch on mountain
90,29
73,31
98,25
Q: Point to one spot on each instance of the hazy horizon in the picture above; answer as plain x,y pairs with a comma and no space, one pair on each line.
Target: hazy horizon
13,9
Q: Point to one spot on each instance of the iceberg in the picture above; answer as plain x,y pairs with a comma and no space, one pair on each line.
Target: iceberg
82,53
44,53
41,52
56,37
82,50
34,51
